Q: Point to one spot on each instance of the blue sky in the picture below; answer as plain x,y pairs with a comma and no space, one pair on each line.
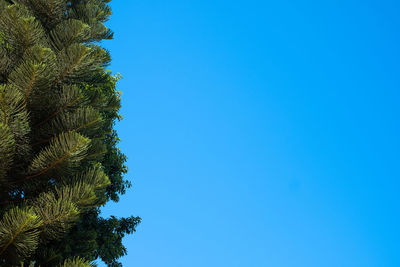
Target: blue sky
260,133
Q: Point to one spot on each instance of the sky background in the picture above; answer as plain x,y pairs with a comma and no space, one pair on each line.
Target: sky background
260,133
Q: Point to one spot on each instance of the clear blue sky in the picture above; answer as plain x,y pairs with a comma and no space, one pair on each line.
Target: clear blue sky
260,133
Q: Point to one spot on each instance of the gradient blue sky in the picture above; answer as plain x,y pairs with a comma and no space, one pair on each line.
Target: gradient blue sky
260,133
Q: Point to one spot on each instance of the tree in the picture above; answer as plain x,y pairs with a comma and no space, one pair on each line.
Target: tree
95,237
59,159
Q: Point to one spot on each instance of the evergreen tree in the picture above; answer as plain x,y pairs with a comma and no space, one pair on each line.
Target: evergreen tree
59,159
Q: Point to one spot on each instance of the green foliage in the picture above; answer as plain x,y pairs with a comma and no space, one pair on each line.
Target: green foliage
19,233
57,212
59,160
7,149
63,154
75,262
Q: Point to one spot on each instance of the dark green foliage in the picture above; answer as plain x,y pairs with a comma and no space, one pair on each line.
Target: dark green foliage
92,236
59,160
107,99
96,237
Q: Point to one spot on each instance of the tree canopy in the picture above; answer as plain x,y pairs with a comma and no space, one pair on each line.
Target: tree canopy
59,155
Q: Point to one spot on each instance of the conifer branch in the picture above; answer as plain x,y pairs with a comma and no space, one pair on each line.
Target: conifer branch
30,87
3,106
20,230
69,70
56,162
71,130
73,101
